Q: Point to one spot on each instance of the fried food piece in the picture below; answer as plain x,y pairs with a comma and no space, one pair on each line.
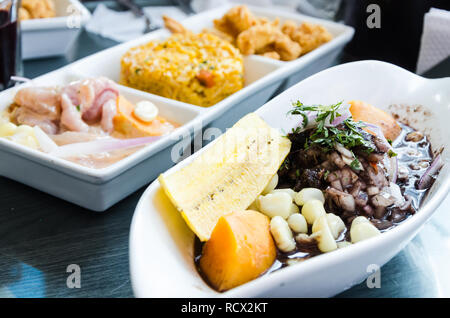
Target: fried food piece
309,36
24,14
236,20
271,54
268,48
173,25
287,49
289,27
258,38
38,9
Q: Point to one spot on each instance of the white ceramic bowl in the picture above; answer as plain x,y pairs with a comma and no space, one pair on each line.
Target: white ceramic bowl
98,189
54,36
161,244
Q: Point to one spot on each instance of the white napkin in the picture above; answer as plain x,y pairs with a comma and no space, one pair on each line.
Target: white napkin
435,42
124,26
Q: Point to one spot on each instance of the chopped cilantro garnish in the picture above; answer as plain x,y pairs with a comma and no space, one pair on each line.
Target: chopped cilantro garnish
391,153
349,133
356,165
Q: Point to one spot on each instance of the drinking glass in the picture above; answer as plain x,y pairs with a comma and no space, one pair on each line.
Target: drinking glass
10,47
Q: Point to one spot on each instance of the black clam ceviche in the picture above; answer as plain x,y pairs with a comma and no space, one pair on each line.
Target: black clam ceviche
353,172
347,173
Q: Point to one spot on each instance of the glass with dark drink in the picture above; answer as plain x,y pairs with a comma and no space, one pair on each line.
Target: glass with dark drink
10,49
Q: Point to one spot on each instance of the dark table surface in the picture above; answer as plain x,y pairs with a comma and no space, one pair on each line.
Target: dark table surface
40,235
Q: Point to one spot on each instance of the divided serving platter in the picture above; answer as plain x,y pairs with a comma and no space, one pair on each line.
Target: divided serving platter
99,189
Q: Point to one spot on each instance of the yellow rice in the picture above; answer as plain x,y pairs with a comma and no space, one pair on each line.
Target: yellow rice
170,68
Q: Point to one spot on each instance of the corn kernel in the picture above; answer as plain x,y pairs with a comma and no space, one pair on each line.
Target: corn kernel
312,210
282,234
362,229
326,242
7,129
308,194
274,204
297,223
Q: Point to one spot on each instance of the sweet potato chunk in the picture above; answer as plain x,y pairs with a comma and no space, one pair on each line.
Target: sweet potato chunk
129,126
240,249
371,114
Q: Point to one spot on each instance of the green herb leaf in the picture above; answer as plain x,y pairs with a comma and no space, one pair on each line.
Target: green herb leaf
391,153
349,134
356,165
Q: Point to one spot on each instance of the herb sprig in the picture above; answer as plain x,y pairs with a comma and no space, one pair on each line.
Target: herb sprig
323,112
349,134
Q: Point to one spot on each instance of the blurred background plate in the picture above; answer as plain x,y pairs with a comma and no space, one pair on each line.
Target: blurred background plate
54,36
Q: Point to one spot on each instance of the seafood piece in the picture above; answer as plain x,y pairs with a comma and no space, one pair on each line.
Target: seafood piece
260,38
71,116
257,38
25,116
287,49
173,25
41,100
271,54
236,20
309,36
89,97
109,111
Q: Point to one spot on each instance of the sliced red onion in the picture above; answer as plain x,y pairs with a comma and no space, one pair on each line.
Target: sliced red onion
393,161
100,145
340,119
45,142
312,115
427,178
377,131
311,121
397,194
344,151
394,169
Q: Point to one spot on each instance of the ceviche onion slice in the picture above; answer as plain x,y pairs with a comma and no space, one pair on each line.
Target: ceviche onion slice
100,145
393,160
45,142
309,120
427,177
